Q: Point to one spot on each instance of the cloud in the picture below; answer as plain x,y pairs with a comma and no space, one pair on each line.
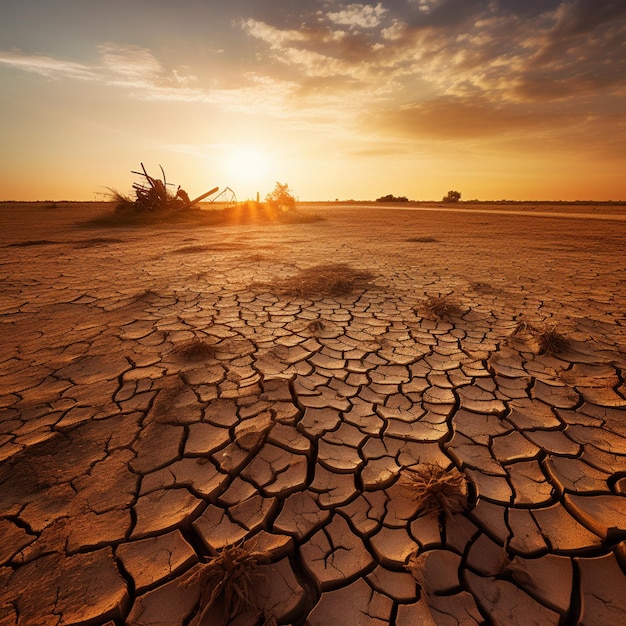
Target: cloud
438,68
45,66
584,16
455,118
139,72
358,15
130,62
322,52
516,127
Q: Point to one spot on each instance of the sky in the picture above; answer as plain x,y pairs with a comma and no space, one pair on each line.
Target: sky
498,99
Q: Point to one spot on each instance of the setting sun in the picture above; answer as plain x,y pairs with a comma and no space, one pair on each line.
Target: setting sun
340,99
312,311
249,168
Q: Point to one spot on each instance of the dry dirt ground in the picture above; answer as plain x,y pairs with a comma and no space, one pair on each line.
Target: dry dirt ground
193,425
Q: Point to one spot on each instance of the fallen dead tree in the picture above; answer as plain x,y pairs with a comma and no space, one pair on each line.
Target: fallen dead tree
152,194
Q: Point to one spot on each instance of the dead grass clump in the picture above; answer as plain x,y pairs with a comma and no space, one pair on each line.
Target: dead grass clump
34,242
331,279
422,240
480,287
121,202
97,241
192,249
436,490
551,341
195,351
316,326
546,340
230,577
440,308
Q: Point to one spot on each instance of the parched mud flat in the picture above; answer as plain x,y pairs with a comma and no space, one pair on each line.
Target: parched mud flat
194,424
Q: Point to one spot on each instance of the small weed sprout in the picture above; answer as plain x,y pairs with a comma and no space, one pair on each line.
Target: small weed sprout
229,576
436,490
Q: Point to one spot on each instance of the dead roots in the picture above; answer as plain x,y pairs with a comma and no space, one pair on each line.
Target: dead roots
229,576
437,490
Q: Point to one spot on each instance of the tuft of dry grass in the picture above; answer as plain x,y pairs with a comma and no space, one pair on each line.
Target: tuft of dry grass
195,350
325,280
121,202
97,241
192,249
34,242
483,288
551,341
436,490
546,340
228,576
422,240
440,308
316,326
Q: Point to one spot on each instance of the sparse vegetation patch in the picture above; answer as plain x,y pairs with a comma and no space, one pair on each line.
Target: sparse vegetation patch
36,242
155,203
440,308
330,279
547,340
422,240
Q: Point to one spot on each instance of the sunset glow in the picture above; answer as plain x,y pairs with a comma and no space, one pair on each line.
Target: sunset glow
249,168
504,99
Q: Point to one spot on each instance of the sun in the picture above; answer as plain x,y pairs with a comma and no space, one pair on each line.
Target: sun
248,165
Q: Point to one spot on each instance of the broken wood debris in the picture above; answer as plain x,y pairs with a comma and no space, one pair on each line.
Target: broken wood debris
152,194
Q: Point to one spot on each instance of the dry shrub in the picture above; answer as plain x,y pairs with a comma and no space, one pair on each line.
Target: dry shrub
230,577
330,279
440,308
436,490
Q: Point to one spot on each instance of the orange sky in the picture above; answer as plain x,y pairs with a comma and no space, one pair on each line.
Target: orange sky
499,99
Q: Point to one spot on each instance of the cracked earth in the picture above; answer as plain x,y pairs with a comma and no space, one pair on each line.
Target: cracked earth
164,397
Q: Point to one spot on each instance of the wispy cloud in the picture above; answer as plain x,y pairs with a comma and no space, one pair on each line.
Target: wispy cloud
144,77
46,66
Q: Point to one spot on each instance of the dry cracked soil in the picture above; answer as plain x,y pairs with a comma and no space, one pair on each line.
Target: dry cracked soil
236,424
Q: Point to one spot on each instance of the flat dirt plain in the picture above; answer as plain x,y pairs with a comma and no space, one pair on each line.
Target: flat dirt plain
200,421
